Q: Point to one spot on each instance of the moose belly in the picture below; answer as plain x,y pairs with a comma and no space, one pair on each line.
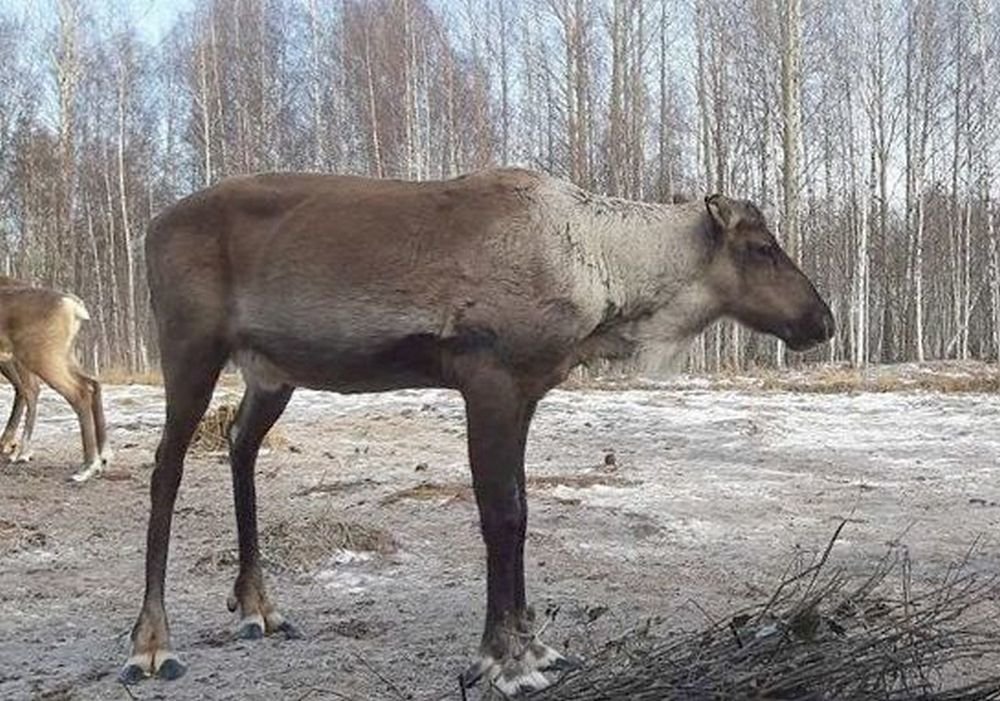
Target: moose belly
366,343
342,365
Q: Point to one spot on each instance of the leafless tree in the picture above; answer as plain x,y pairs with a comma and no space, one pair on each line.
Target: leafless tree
866,131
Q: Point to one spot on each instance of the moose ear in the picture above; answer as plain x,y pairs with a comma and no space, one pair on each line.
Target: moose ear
723,211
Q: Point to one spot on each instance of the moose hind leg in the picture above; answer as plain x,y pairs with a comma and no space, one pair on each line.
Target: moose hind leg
8,441
190,371
100,422
30,386
259,410
76,390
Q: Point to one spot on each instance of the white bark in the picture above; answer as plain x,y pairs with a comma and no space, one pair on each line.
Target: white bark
379,170
791,59
204,99
987,123
861,283
131,320
316,88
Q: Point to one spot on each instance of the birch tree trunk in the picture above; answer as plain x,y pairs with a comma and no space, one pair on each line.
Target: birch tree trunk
131,320
791,31
68,70
791,59
987,144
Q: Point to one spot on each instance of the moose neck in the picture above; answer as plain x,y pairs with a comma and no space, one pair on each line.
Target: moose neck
656,257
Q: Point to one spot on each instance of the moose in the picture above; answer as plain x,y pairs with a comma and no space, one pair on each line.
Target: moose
495,284
38,329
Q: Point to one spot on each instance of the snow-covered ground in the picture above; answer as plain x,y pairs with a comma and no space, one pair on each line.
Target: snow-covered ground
712,491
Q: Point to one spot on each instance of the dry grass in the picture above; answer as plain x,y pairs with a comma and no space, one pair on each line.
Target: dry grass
946,377
302,545
942,378
305,543
230,380
431,491
823,634
579,481
118,375
949,377
213,432
123,376
339,487
461,491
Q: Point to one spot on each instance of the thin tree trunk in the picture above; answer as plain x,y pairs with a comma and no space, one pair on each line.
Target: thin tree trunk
102,343
372,111
112,243
130,315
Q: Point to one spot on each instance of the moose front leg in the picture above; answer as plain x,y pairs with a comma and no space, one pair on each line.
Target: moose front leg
511,657
190,369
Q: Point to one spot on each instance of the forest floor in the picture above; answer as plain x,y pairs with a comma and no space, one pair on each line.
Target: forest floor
370,533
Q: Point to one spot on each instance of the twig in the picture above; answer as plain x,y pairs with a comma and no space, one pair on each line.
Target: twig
706,614
388,682
550,616
128,691
826,555
320,690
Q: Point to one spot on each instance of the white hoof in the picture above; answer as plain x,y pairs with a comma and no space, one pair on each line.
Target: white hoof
543,658
88,471
513,677
521,674
23,457
107,455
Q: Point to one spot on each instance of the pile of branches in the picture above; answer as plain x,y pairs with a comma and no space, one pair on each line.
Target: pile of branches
823,634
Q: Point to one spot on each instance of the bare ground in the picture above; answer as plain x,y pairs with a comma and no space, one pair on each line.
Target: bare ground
370,534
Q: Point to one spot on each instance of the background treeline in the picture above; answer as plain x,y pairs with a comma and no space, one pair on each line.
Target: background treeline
869,130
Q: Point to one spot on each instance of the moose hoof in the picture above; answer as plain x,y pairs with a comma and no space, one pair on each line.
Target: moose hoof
510,677
163,665
172,668
22,457
87,471
251,629
255,627
516,675
545,659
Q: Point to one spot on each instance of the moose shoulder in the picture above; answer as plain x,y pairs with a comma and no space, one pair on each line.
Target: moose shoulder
495,284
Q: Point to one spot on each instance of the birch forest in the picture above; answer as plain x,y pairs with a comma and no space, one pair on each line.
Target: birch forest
867,130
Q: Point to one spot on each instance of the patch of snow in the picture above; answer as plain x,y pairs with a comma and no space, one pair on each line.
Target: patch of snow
348,557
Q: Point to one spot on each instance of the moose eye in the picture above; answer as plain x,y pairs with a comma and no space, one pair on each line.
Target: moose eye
761,251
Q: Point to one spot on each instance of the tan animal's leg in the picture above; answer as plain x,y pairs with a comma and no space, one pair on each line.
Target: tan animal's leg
258,411
78,391
100,424
8,441
30,387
